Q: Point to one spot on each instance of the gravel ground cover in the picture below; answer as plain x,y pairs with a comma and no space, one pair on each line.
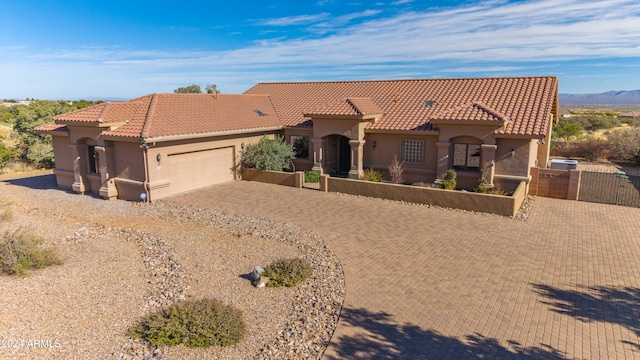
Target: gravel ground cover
123,260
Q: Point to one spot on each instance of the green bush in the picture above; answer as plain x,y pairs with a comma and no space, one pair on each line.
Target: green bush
593,122
287,272
312,177
194,323
449,181
372,175
268,154
21,251
567,130
484,188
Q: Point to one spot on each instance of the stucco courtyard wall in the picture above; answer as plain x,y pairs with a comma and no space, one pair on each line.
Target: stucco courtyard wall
494,204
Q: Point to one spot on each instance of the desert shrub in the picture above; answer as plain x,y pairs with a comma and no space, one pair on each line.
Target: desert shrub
625,144
312,177
21,251
6,155
372,175
287,272
484,188
449,181
592,149
41,155
268,154
567,130
396,170
194,323
594,122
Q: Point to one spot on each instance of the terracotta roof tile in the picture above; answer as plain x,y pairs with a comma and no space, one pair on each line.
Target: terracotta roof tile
470,113
51,127
161,115
346,107
410,104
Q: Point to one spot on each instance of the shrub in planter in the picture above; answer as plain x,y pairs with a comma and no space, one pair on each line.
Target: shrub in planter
312,177
396,170
372,175
449,181
484,188
287,272
268,154
194,323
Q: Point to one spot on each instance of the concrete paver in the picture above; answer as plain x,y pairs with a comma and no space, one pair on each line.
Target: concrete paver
427,283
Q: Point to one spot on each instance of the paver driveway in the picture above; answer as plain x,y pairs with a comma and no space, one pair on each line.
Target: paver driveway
425,283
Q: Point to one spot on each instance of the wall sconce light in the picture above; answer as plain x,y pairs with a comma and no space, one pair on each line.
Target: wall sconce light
158,157
242,146
334,142
513,151
374,144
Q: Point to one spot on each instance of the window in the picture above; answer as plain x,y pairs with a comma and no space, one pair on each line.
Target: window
300,146
466,156
411,151
92,155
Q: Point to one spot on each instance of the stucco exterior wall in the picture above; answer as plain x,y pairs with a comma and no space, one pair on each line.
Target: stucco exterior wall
161,175
388,145
64,162
510,170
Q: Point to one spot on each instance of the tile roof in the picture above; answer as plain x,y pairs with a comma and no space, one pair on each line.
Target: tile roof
162,115
411,104
475,112
51,127
347,107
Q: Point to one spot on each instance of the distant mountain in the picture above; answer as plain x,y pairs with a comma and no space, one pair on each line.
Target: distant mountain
631,97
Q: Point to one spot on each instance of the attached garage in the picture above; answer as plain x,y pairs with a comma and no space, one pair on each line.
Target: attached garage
198,169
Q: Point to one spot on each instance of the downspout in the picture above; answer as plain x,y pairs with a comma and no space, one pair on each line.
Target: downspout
145,148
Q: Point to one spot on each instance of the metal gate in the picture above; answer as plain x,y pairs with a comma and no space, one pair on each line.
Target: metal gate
616,188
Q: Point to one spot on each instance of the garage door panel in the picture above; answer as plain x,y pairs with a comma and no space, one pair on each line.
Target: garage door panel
199,169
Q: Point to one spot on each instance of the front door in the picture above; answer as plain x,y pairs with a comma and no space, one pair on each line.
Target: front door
345,155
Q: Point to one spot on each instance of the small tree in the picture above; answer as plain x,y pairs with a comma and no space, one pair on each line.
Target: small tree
567,130
268,154
211,88
191,89
396,170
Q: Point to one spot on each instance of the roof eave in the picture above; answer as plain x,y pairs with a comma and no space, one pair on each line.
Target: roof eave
211,134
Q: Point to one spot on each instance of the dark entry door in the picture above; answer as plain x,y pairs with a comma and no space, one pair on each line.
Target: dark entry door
345,154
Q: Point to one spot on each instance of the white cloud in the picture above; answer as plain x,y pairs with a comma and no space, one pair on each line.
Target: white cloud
490,37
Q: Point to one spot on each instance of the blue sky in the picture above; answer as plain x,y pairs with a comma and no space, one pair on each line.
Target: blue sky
70,49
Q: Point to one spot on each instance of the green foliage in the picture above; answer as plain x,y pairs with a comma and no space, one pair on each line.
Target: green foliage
6,155
484,188
312,177
625,144
301,147
449,181
567,130
211,88
396,170
268,154
595,121
21,251
194,323
191,89
41,155
372,175
287,272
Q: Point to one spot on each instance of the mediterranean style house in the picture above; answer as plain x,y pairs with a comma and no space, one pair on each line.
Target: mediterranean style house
164,144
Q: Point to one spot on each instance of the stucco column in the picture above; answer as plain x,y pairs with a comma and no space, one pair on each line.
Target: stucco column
488,153
356,158
444,149
318,156
108,188
78,182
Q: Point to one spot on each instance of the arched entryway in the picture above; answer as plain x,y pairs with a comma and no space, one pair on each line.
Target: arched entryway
338,155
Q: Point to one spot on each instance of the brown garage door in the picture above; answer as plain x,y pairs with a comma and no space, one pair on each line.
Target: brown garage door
194,170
